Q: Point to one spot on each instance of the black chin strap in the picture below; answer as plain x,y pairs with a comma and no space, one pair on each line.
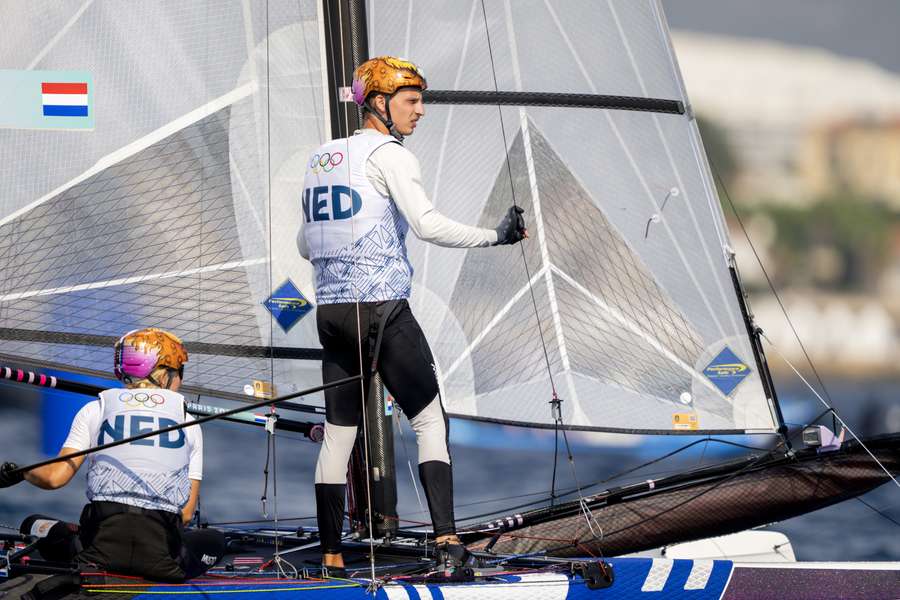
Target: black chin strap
388,122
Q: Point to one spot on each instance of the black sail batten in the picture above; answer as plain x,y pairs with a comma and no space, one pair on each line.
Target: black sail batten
107,341
552,99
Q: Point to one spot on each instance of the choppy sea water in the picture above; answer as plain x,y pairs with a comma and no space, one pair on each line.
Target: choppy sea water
494,468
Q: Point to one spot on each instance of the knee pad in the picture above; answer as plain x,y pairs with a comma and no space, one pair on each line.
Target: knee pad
431,430
335,453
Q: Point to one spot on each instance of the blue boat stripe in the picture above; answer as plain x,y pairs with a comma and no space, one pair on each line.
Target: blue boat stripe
55,110
436,593
412,592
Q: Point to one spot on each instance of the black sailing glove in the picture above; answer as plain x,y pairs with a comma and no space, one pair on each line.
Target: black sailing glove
512,228
7,477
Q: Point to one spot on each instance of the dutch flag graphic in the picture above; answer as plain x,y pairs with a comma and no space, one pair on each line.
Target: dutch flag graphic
64,99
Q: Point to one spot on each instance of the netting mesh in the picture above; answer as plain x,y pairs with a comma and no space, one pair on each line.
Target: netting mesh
706,507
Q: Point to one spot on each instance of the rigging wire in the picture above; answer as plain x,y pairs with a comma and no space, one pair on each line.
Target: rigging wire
829,403
270,423
555,401
769,281
615,477
356,258
833,411
255,521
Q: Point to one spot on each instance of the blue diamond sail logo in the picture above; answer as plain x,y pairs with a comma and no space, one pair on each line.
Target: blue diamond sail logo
287,305
726,371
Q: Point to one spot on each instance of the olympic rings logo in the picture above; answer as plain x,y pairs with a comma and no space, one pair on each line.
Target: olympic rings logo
141,399
325,162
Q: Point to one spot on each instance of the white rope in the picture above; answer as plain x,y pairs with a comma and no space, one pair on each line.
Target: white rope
831,408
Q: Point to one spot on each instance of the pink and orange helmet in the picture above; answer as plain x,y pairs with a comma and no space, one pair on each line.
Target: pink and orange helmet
141,351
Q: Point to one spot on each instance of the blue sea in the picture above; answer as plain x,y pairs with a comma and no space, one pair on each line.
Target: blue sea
494,467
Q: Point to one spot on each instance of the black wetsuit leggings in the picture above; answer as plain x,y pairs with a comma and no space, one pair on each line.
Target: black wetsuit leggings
406,366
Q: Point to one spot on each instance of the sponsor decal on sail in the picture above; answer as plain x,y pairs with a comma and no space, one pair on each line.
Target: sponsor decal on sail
726,371
686,421
287,305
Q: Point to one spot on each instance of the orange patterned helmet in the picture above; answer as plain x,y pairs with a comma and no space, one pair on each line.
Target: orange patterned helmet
141,351
385,74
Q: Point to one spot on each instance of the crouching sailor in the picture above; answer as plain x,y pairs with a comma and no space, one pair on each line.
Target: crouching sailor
141,493
361,196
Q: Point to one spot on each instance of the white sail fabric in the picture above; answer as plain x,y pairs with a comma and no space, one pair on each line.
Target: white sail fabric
627,307
160,216
181,208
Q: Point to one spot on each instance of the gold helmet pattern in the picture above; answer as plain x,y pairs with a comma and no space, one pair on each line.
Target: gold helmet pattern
385,74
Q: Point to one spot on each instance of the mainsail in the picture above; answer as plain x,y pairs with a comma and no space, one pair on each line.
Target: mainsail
627,306
181,208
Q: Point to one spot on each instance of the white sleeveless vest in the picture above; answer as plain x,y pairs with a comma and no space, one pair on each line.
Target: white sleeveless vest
355,235
151,473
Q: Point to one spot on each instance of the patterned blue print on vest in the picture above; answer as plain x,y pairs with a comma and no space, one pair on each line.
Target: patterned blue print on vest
373,269
334,203
151,473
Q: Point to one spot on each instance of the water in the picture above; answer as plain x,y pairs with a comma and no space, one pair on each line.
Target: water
490,463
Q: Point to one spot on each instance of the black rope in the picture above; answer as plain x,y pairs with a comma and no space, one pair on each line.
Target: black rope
555,400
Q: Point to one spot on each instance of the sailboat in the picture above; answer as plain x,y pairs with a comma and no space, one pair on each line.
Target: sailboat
623,313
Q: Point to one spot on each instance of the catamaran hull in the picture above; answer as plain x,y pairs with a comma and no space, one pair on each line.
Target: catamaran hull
709,502
634,578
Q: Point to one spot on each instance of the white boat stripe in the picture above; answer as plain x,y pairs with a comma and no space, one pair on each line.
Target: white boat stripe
65,99
395,592
423,592
658,575
699,576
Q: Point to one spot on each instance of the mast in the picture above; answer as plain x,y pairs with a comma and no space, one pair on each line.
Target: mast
346,46
758,353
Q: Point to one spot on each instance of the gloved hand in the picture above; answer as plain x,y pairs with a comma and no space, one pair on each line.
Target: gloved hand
512,228
7,477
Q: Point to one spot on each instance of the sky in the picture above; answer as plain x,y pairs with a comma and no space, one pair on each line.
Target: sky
865,29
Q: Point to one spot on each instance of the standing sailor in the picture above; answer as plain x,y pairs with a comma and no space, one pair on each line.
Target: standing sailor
141,493
361,195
